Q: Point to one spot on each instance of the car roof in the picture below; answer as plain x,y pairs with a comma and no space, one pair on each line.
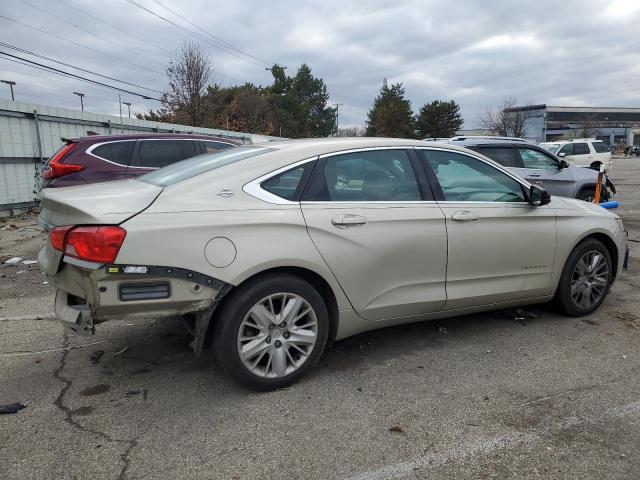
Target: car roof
142,136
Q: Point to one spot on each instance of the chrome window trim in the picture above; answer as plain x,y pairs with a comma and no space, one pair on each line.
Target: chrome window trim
254,188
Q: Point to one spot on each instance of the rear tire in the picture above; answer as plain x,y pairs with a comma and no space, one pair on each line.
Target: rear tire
587,195
262,336
585,279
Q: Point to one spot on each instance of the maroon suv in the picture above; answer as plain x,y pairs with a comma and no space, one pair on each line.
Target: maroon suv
101,158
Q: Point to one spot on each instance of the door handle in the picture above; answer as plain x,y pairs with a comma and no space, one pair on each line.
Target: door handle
465,216
535,175
348,220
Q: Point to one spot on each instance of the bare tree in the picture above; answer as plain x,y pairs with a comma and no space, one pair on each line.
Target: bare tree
350,132
188,71
506,120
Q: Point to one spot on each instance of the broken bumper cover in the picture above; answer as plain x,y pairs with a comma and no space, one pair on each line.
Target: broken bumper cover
86,297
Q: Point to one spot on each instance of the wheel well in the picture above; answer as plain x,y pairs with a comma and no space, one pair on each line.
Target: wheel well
313,279
611,248
595,165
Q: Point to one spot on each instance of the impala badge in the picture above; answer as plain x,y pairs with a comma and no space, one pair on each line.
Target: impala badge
226,193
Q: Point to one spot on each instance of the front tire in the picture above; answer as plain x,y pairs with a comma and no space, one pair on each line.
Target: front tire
271,331
587,195
585,279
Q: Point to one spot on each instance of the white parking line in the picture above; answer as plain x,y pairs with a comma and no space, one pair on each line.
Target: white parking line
486,445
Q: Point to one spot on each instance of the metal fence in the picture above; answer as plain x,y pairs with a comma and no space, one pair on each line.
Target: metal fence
31,133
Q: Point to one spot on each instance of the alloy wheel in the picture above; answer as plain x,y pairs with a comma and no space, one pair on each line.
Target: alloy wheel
590,279
277,335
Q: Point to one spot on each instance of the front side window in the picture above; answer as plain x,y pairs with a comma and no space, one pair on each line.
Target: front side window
370,176
504,156
580,148
536,159
160,153
116,152
567,149
466,179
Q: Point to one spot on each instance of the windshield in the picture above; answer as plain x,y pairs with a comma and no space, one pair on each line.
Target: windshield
551,147
191,167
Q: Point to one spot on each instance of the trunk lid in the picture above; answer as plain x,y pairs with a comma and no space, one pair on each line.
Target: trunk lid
108,203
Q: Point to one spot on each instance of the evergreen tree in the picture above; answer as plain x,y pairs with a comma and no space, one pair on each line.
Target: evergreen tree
439,119
391,114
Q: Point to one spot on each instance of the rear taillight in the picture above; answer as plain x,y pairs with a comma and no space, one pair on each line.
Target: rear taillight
99,244
55,168
57,236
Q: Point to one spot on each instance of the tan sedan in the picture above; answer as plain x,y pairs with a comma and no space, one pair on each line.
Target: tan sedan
277,249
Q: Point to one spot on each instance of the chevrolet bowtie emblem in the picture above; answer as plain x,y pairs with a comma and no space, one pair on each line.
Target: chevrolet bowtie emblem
226,193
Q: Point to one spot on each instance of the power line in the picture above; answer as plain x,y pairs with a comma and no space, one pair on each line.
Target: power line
215,37
115,27
44,57
95,35
53,69
78,44
194,34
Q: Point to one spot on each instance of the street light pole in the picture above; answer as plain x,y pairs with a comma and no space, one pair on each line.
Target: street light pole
337,105
128,104
81,95
11,84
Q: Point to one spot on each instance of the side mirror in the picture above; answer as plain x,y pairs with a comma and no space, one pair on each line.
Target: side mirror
563,164
538,196
562,154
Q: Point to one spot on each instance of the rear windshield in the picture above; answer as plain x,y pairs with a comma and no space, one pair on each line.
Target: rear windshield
179,171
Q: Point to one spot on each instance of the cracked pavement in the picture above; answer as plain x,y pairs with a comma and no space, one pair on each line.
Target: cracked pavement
480,396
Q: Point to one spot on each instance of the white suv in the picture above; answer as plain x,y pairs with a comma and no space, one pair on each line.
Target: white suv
584,152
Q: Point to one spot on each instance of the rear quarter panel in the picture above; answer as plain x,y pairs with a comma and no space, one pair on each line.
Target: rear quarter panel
263,238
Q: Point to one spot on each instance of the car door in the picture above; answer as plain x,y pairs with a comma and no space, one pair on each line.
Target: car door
379,230
500,248
581,154
151,154
544,170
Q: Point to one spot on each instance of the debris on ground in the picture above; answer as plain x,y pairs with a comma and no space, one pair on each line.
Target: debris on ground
590,321
142,391
519,315
630,319
120,352
441,328
397,429
29,262
11,408
96,356
13,260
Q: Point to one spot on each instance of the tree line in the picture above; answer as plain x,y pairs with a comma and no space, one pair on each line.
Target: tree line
294,106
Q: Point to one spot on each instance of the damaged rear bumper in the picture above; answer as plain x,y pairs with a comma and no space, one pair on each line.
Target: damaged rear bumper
86,297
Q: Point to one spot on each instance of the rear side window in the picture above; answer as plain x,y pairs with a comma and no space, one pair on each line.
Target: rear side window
213,147
580,148
286,185
369,176
160,153
600,147
116,152
504,156
567,149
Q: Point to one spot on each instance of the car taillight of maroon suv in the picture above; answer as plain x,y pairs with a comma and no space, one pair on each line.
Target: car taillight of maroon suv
102,158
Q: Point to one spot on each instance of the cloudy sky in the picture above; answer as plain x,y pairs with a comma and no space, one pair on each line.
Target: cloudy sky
476,52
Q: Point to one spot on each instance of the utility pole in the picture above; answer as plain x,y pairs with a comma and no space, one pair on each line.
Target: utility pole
337,105
81,95
120,106
128,104
11,84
